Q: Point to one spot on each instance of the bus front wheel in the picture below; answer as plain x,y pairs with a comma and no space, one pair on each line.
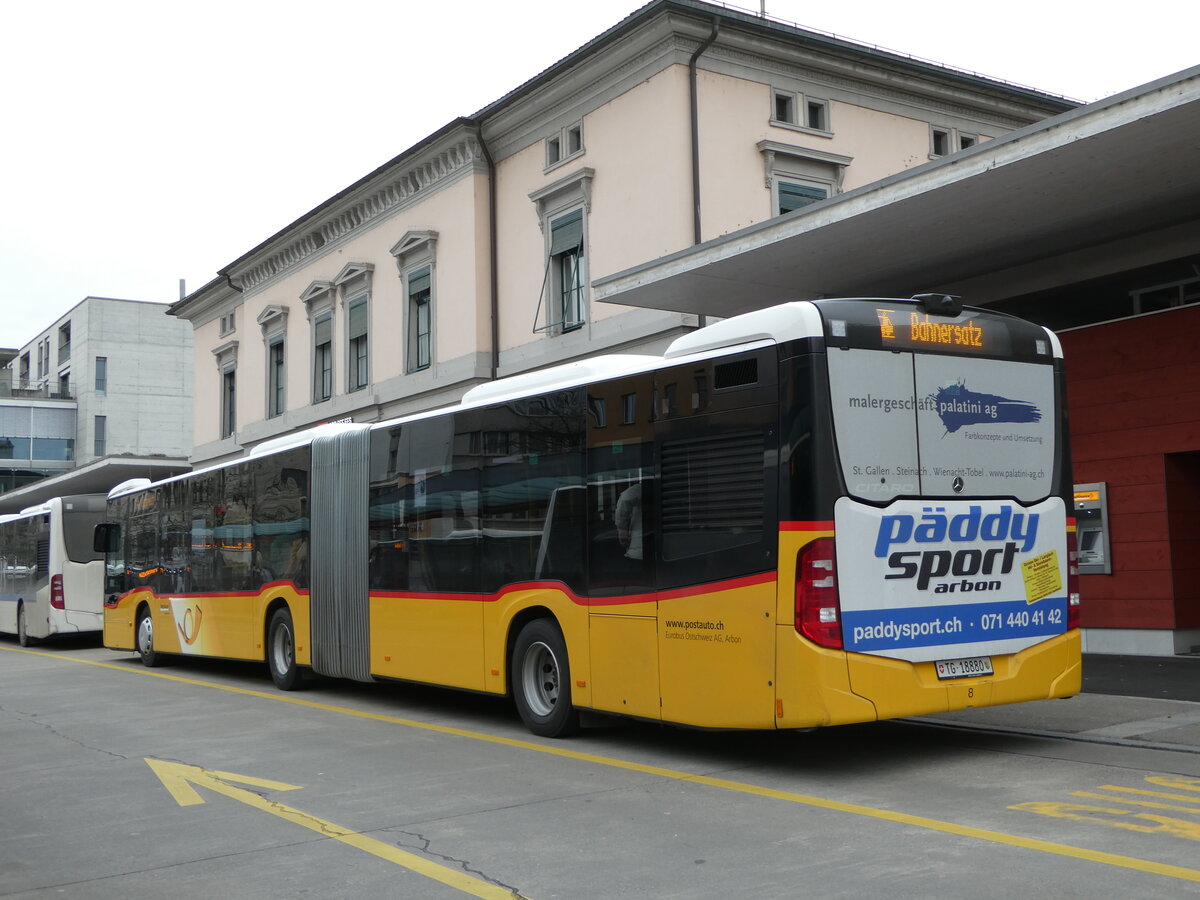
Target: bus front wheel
281,651
144,634
541,680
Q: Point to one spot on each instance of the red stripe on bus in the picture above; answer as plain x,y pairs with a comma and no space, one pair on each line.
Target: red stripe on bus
806,526
303,592
614,600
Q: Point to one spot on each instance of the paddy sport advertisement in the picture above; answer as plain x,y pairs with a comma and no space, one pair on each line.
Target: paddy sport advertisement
980,571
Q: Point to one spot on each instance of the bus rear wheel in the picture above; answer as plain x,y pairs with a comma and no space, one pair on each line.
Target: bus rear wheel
144,636
541,680
281,651
23,637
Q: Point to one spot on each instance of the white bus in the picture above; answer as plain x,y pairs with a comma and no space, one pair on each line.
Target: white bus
51,580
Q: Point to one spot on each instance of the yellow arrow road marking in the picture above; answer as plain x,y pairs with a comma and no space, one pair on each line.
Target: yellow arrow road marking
997,837
179,778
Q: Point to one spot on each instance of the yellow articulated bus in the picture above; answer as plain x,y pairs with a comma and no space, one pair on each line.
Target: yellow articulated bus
819,513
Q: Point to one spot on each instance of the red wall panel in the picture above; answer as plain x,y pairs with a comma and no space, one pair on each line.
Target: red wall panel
1133,393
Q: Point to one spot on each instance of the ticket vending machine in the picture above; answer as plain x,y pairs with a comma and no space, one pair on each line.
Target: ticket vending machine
1091,529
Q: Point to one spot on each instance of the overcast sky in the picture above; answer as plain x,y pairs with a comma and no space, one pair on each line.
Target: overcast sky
145,142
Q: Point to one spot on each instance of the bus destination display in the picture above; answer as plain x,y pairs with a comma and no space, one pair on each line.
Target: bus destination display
915,329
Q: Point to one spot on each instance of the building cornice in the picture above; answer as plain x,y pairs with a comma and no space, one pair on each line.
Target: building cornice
392,188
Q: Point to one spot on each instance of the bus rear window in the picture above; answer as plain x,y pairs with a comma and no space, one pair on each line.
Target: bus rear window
910,424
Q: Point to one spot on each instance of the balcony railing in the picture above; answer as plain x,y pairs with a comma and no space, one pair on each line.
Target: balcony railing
34,390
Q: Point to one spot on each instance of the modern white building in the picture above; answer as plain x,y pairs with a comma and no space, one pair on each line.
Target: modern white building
102,394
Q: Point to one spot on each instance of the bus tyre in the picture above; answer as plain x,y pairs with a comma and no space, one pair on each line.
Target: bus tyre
23,637
281,651
144,636
541,680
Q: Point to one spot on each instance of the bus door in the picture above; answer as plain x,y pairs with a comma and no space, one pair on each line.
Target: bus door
716,438
82,566
620,527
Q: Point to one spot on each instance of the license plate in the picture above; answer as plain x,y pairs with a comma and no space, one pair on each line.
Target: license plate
964,668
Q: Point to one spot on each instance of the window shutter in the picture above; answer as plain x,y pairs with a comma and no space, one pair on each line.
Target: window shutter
324,330
419,281
358,320
566,233
793,196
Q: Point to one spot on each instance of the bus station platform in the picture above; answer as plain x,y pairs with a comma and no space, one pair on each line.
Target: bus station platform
1143,701
1161,677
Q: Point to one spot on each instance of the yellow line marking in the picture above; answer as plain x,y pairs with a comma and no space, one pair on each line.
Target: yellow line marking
178,778
1149,804
997,837
1144,793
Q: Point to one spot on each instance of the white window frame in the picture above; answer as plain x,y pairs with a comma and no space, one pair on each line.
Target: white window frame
797,118
415,252
273,322
564,145
354,284
954,140
318,299
226,356
555,202
801,165
413,315
938,131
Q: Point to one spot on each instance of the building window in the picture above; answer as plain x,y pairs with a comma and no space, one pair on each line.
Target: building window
944,141
562,212
415,255
800,176
64,343
564,145
567,266
273,321
101,436
323,358
41,368
24,370
354,282
356,328
101,384
64,386
817,115
228,402
628,409
318,299
792,195
420,319
225,357
228,324
275,378
785,108
799,112
939,141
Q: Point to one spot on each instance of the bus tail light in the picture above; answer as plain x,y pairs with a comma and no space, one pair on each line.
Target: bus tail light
57,600
1073,607
818,612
